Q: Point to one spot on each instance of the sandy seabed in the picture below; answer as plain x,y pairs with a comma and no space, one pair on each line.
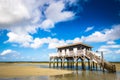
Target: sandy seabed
11,70
7,70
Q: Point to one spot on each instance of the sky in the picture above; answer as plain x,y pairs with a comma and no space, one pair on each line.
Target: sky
30,30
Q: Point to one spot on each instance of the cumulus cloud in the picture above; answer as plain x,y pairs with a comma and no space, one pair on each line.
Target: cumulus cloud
105,35
54,12
111,42
8,51
118,51
15,18
110,48
9,54
28,41
32,14
24,19
89,29
22,39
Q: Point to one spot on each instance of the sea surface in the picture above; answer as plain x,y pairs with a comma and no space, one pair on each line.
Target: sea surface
76,75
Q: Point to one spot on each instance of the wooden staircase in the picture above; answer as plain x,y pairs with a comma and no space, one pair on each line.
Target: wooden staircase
104,64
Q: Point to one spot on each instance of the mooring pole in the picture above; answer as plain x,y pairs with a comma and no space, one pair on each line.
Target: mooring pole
102,61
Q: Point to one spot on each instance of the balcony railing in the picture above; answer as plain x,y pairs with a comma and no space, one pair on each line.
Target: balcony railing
69,54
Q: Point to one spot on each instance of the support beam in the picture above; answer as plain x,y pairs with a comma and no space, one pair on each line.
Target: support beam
76,62
93,64
57,62
96,66
83,64
89,64
61,63
50,63
67,63
54,63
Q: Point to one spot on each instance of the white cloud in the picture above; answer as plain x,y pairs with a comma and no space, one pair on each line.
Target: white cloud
22,39
10,13
32,14
118,51
15,18
47,24
8,51
29,15
111,42
9,55
28,41
89,29
105,35
111,46
54,12
36,43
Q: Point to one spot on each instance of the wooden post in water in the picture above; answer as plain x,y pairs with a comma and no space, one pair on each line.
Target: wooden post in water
61,62
96,66
73,63
68,63
54,62
57,62
93,65
50,63
76,63
102,61
88,64
83,64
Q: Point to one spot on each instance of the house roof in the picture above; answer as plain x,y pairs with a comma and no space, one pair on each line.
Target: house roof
75,44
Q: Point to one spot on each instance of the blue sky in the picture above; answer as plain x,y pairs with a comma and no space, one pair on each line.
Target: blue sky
32,29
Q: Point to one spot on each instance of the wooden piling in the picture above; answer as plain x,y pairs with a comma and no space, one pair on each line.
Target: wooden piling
89,64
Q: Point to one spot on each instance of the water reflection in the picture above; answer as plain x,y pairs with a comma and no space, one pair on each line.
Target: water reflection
76,75
87,75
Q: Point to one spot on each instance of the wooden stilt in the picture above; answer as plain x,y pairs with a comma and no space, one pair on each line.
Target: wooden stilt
89,64
76,63
96,66
54,63
57,62
83,64
68,63
73,63
61,63
93,65
103,67
50,63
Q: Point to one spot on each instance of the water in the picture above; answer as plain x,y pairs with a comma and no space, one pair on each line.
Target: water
76,75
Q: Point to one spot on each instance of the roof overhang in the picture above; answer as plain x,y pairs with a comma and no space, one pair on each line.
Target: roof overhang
75,44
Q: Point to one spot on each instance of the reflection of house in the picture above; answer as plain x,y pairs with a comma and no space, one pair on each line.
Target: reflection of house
73,52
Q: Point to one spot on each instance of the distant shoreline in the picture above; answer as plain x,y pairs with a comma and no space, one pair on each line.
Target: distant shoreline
33,62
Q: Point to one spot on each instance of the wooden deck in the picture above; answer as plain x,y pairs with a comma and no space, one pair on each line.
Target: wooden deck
72,58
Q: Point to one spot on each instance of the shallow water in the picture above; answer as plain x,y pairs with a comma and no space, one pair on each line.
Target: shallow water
76,75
